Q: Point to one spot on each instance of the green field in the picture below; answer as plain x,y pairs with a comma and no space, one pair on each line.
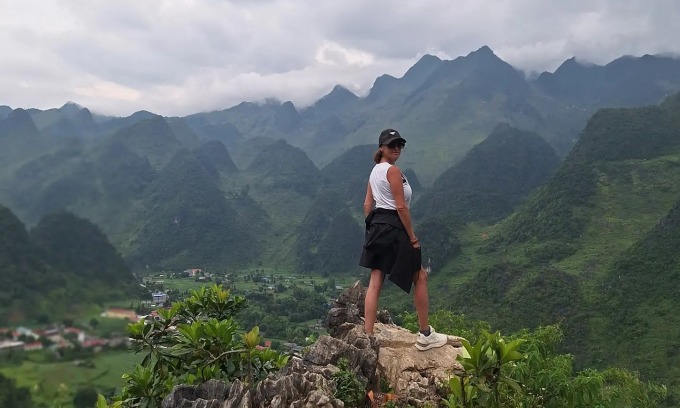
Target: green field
56,383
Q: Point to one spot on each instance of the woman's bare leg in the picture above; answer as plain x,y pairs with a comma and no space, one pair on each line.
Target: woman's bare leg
371,301
421,299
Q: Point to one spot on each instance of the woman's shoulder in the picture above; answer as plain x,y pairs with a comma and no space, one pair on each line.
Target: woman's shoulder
393,168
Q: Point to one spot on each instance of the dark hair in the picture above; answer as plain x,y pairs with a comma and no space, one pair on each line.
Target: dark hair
377,156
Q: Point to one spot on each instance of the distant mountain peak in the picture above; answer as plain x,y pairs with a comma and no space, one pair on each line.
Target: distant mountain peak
144,113
384,78
485,57
483,54
427,60
341,91
287,105
422,69
71,105
381,85
485,49
335,99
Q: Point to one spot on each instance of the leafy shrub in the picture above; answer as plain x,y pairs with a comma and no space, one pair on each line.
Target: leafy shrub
524,371
194,341
348,388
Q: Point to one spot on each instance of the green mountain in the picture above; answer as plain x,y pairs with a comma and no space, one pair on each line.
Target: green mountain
348,174
102,183
329,240
445,107
280,166
339,98
263,158
151,138
644,282
64,263
555,216
73,244
22,273
69,121
215,157
624,82
187,221
5,111
184,133
52,182
492,178
18,137
595,248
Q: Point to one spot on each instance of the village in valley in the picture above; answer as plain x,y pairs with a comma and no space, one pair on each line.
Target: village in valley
57,358
159,290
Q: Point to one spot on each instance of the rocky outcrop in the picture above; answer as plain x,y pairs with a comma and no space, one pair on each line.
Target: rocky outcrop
415,376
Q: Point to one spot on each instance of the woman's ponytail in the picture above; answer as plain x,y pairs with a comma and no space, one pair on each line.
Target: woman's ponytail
377,156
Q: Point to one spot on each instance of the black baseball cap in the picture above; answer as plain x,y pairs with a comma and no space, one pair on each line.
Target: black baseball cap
388,136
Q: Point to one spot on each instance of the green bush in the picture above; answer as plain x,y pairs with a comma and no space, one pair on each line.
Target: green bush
194,341
348,388
524,371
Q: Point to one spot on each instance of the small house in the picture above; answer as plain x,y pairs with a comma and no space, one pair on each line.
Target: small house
159,297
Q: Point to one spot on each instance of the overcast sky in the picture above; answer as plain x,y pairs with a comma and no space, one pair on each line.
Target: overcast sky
177,57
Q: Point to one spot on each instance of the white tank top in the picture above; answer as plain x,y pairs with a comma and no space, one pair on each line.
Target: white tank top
380,187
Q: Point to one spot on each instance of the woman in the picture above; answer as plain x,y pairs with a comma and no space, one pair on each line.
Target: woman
391,247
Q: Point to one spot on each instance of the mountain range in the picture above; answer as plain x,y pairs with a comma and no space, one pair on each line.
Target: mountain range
537,199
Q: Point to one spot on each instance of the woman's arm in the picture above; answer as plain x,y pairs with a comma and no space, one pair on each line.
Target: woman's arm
397,188
368,201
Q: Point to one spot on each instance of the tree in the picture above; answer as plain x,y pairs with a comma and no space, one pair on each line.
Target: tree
195,340
85,398
12,396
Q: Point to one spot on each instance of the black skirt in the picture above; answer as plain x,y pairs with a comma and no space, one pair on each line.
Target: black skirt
387,248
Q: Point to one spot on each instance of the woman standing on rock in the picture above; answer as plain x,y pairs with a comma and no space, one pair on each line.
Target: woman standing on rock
391,247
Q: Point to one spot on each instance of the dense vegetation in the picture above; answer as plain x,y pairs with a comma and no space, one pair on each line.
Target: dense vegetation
12,396
492,178
196,340
328,236
188,221
65,262
523,369
595,248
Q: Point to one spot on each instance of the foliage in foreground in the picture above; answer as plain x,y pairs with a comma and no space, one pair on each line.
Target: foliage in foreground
348,388
13,396
524,370
194,341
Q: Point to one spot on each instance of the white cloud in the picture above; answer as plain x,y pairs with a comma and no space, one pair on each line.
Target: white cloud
108,90
331,53
176,57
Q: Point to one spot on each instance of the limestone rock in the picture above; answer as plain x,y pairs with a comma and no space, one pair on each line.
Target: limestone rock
416,376
413,373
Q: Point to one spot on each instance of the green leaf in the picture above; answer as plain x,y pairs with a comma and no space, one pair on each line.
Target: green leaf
512,383
101,401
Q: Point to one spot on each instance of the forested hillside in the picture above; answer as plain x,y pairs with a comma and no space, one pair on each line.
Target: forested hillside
595,248
64,263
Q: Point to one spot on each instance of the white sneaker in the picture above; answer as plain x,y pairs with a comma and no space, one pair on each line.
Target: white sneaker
434,340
